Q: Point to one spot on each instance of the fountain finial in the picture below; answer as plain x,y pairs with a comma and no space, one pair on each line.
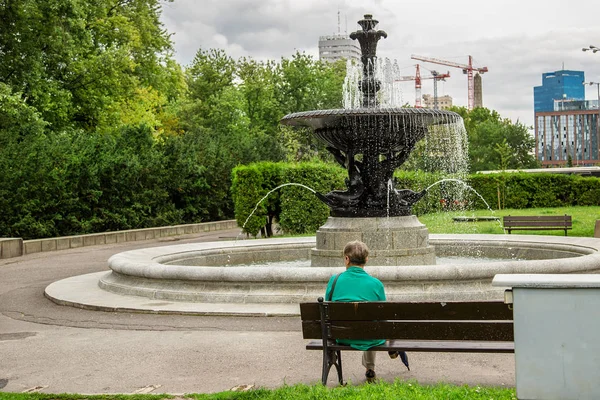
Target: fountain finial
368,38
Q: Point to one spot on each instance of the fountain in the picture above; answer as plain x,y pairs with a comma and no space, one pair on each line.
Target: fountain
370,142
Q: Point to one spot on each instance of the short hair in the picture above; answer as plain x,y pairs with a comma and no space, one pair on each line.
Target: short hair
357,252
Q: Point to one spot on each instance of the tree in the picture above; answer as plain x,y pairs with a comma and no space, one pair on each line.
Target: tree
496,143
79,61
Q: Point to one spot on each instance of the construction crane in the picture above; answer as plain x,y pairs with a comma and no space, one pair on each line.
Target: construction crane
467,69
417,78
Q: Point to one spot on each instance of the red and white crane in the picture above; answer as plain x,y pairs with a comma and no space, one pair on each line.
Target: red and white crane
467,69
417,78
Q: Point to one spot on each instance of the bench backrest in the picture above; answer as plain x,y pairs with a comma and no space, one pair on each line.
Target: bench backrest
538,220
486,321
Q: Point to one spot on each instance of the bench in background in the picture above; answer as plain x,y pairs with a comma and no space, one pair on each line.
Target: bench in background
473,327
538,223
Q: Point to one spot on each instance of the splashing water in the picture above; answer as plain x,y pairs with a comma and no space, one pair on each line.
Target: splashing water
467,186
386,72
267,195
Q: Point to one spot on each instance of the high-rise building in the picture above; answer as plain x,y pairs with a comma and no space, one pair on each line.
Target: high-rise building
337,47
558,85
566,125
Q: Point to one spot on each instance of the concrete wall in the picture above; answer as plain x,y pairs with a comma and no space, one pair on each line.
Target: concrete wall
11,247
14,247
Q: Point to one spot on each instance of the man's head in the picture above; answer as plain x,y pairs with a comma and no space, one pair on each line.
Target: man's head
356,253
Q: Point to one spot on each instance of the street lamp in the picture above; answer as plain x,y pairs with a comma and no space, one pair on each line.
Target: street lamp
598,86
593,48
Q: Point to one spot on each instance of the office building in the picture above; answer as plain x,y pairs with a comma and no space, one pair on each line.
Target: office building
337,47
566,125
558,85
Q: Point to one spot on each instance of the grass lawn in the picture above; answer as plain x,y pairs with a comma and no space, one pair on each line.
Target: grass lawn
379,391
584,220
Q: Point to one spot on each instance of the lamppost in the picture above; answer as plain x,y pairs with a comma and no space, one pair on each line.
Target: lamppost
598,105
598,86
594,49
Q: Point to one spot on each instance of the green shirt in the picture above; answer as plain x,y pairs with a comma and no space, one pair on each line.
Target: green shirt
355,284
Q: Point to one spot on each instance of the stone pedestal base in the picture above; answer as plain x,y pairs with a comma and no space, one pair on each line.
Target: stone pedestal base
391,241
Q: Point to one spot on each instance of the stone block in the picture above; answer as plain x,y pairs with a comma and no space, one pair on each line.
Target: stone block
48,244
63,243
32,246
110,237
89,240
76,241
11,247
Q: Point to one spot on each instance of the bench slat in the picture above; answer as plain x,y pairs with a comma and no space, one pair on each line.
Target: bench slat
537,218
429,346
423,330
536,223
482,310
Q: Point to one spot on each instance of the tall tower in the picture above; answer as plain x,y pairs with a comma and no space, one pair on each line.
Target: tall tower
478,89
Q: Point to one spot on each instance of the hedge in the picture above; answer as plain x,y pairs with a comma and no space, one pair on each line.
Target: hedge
298,211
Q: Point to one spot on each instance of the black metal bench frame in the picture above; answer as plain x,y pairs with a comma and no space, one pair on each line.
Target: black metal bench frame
472,327
537,223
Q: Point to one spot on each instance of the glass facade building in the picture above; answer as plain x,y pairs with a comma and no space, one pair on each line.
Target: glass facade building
566,125
570,132
558,85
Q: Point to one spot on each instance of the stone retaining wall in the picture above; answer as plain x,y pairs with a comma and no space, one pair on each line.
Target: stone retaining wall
14,247
11,247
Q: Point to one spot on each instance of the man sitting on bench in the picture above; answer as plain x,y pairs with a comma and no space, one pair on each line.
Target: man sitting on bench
355,284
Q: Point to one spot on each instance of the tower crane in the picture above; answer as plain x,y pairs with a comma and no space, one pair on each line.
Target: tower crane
436,76
467,69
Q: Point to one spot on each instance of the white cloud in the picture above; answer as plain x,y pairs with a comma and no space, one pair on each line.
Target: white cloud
517,40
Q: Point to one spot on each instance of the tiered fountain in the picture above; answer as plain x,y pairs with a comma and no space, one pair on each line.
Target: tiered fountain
370,143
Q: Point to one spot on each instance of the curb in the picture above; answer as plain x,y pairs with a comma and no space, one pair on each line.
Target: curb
16,247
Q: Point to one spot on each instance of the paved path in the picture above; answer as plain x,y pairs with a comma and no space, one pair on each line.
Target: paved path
62,349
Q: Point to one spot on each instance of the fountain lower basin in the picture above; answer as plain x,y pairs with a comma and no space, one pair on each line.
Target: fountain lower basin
202,272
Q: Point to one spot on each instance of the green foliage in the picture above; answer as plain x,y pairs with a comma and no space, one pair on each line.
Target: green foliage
301,211
380,390
80,62
295,208
496,143
66,183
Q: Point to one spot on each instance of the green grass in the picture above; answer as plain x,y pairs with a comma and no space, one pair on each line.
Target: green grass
584,220
379,391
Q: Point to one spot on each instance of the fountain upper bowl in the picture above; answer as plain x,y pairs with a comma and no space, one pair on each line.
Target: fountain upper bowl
377,129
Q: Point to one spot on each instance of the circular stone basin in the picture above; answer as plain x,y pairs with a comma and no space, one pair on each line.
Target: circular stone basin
379,129
203,272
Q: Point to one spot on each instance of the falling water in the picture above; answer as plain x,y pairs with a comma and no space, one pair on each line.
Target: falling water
386,72
271,191
465,185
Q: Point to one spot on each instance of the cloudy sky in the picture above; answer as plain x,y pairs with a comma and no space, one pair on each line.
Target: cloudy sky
517,40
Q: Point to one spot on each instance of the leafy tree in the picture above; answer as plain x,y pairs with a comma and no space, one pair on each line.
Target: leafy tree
79,62
496,143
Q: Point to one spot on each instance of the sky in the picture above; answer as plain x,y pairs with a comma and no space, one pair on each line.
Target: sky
517,40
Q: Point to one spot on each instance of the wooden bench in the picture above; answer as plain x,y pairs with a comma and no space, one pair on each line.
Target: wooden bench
538,223
472,327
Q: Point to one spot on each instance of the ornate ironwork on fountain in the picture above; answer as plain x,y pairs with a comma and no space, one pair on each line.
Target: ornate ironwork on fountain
368,38
370,142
